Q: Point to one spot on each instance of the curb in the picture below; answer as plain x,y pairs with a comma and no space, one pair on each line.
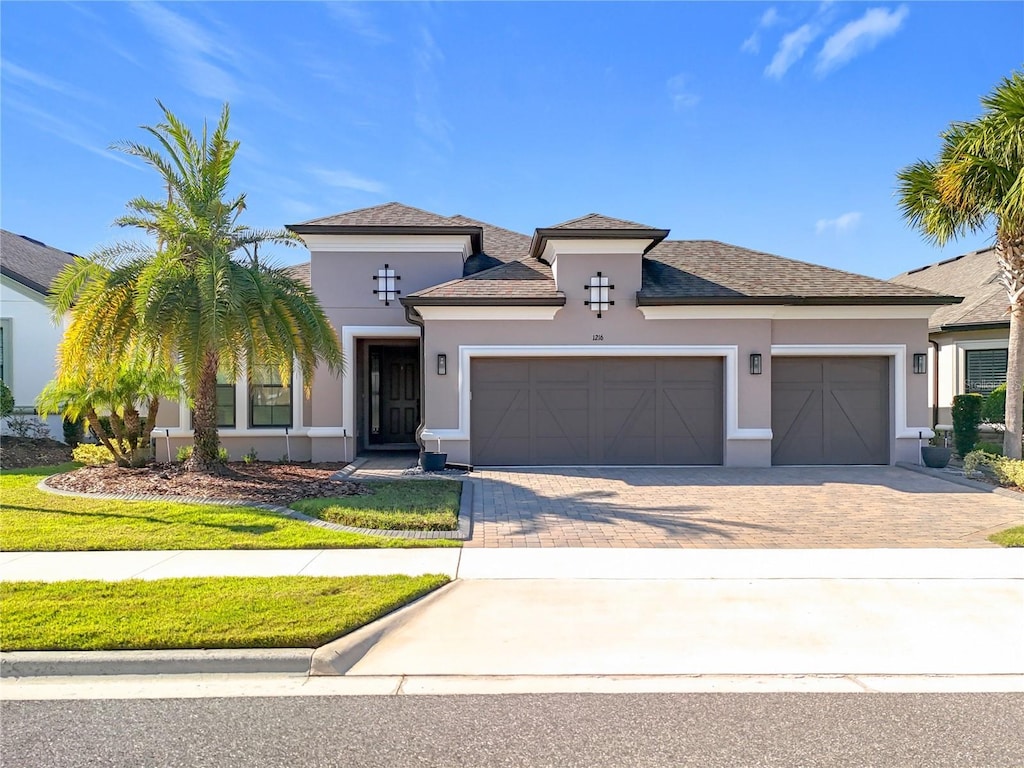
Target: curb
958,480
168,662
461,533
339,656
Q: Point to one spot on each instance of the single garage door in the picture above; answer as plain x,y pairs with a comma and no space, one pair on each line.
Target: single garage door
639,410
830,410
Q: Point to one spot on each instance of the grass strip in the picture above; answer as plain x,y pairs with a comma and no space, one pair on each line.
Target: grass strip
35,521
224,612
1011,537
400,505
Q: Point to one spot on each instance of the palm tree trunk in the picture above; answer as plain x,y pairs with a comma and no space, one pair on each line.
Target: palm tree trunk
101,434
1010,257
1014,384
204,418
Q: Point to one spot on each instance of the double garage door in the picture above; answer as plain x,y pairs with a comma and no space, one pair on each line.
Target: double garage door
578,411
574,411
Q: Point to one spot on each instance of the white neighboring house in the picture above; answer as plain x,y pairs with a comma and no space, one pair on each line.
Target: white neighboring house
970,340
28,335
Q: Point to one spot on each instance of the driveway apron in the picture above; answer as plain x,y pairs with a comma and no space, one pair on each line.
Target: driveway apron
724,507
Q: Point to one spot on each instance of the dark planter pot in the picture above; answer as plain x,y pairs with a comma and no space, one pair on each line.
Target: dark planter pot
935,456
431,461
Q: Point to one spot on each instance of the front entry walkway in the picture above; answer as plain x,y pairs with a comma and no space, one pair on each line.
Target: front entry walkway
721,507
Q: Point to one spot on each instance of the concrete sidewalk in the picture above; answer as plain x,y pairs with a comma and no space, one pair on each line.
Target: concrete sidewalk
561,563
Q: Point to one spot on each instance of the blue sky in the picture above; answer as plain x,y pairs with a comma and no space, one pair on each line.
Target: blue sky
776,126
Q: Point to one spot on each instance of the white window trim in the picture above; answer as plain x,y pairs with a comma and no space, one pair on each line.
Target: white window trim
962,347
242,428
730,354
898,352
8,326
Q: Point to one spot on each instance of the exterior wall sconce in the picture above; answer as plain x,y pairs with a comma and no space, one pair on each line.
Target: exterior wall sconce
442,365
920,362
755,363
598,290
386,289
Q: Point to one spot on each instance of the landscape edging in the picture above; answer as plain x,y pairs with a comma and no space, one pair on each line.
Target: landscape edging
461,533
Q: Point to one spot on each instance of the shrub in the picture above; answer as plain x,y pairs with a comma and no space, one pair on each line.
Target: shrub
6,400
73,432
1007,471
250,457
993,410
995,449
185,453
966,418
27,426
92,455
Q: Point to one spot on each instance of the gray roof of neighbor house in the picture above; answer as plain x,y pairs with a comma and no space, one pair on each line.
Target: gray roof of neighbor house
29,262
300,272
973,276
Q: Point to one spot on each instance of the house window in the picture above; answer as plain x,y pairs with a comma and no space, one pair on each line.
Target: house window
225,402
985,370
5,352
270,401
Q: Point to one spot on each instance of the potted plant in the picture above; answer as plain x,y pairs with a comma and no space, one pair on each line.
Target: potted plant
433,461
936,454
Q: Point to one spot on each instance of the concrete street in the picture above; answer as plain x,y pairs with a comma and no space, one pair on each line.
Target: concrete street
563,730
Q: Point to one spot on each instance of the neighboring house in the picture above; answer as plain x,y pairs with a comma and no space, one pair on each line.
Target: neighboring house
28,336
596,341
969,340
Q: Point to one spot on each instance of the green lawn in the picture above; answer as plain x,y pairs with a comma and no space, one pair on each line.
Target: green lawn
36,521
404,505
281,612
1011,537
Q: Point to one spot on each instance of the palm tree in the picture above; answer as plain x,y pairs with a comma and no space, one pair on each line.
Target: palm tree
977,182
197,295
122,393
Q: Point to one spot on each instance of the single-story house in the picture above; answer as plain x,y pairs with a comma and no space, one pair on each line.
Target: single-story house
597,341
28,336
969,341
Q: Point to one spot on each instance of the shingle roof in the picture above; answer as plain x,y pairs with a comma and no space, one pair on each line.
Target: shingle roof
386,215
599,221
299,272
694,272
30,262
973,276
528,282
707,271
500,245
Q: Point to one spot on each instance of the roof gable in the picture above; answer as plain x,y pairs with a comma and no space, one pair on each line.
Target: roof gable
30,262
386,215
599,221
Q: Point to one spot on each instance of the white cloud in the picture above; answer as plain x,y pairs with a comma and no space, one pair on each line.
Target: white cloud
348,180
753,43
842,223
354,17
791,49
12,71
429,115
680,93
859,37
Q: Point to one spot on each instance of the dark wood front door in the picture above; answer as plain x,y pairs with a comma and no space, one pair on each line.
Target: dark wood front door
394,394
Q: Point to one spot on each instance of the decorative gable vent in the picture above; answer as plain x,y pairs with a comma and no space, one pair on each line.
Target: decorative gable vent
599,290
387,289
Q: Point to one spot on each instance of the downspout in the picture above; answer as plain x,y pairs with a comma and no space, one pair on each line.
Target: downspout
935,384
414,318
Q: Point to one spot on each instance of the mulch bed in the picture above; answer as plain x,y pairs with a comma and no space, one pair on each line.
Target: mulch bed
17,452
265,482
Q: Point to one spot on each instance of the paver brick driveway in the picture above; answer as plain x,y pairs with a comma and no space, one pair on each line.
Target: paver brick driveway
778,507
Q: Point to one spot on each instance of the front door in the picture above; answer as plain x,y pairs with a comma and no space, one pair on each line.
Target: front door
394,394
